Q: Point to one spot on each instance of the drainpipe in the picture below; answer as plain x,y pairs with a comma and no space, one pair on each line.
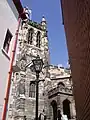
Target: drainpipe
6,99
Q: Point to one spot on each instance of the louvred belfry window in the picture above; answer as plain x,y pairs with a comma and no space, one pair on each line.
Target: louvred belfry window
38,39
30,35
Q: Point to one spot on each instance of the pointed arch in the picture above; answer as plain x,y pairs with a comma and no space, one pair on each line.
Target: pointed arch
54,106
66,108
32,90
30,35
38,39
61,84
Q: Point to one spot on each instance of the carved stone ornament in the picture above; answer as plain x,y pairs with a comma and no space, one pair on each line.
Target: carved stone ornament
22,64
21,87
34,52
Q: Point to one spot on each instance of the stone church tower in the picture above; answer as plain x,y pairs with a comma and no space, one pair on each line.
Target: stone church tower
33,41
55,94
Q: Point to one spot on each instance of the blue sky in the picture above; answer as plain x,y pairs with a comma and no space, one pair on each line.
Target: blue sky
51,9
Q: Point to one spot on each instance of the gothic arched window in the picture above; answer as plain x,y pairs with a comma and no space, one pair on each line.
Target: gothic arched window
32,90
30,35
38,39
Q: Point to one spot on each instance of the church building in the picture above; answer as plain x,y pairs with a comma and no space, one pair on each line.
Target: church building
55,93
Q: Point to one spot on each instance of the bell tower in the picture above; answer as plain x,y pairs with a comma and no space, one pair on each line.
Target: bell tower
32,41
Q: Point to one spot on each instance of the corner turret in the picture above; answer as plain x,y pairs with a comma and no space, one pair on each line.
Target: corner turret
44,23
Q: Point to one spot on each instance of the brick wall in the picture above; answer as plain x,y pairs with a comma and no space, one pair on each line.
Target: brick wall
76,14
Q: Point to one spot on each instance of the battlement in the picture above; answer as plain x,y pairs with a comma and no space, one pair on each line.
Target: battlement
36,25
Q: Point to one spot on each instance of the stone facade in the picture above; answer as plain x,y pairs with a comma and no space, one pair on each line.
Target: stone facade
60,92
53,91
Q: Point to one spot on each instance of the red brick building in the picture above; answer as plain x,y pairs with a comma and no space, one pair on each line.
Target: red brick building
76,20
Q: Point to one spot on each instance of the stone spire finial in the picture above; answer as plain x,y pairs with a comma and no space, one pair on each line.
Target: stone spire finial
43,19
44,23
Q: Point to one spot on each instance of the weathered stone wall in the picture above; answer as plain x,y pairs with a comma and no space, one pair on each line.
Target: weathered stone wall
22,103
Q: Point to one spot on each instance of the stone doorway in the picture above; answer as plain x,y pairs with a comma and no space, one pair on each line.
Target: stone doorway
66,108
54,106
